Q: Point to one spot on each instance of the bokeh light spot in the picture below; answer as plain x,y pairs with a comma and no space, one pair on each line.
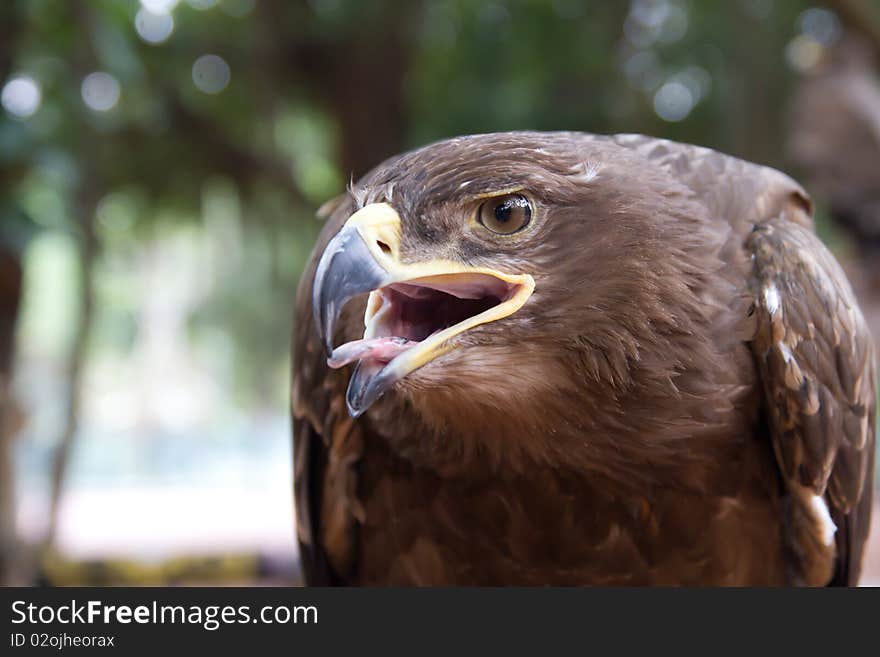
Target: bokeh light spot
675,26
159,6
673,101
153,27
820,24
803,53
100,91
643,70
21,96
697,80
211,74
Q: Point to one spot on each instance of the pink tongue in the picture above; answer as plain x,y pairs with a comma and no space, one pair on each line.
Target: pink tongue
381,349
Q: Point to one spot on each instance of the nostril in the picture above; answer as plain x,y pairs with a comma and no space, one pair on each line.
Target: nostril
385,248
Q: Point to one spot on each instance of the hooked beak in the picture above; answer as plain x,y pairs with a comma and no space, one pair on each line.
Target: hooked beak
414,309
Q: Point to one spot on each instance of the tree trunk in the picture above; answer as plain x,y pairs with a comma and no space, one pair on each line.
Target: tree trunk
366,95
10,414
85,202
88,250
10,299
361,85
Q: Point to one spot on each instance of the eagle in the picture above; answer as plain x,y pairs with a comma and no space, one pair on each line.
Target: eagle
560,358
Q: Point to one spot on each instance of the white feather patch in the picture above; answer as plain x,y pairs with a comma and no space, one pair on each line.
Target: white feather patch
785,351
590,171
820,511
771,299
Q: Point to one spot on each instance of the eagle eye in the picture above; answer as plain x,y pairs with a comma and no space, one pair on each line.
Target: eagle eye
506,214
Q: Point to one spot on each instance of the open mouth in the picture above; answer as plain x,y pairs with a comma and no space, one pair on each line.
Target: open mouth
414,309
424,312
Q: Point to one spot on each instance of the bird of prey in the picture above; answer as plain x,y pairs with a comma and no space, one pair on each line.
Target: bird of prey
566,359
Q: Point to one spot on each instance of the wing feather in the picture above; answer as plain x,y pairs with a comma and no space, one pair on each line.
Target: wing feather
816,361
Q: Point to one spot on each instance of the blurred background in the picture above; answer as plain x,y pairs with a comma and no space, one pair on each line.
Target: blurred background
161,163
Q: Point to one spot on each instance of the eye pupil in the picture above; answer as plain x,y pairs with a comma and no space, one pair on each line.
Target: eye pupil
506,214
503,212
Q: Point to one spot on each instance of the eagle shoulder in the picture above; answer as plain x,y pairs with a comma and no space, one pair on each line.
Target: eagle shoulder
813,350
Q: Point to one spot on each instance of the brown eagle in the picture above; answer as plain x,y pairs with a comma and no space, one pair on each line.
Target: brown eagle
579,359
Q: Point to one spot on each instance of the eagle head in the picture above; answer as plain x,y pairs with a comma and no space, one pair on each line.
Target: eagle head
515,282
